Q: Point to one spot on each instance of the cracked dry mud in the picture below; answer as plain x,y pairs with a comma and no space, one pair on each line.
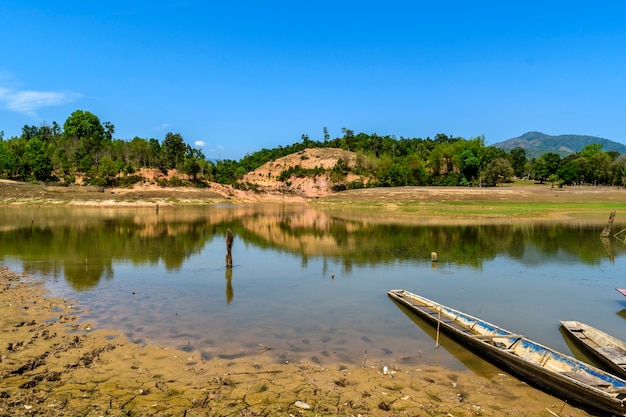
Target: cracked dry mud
52,364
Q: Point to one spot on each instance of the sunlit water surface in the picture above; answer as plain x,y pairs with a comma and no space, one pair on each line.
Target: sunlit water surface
312,286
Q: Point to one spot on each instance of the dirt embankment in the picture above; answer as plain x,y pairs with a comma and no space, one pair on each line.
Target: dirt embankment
140,195
260,185
149,195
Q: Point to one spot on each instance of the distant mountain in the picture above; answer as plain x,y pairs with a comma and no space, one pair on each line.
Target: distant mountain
536,144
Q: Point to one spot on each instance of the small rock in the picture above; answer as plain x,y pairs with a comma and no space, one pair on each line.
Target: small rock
303,405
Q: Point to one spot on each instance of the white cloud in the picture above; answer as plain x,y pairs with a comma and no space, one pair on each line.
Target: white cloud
199,143
163,127
29,101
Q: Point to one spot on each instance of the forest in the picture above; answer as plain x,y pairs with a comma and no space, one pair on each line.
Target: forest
84,147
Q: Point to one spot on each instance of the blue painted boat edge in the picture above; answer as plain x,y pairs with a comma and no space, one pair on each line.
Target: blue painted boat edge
522,366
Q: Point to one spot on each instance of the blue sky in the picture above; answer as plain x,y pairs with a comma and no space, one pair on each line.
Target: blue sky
233,77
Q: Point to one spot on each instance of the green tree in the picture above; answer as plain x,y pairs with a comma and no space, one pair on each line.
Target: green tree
546,165
83,161
568,173
305,141
45,132
155,152
226,171
518,161
109,130
64,163
29,132
497,171
489,153
139,152
8,160
347,141
55,129
108,170
85,130
191,167
173,150
85,127
591,150
469,165
618,171
599,168
35,160
397,175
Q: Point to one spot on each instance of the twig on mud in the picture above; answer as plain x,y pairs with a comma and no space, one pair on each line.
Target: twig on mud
254,373
264,346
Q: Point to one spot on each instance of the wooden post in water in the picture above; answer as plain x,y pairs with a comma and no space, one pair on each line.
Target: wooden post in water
229,246
608,228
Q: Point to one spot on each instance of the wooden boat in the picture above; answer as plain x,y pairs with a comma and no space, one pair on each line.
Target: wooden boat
607,349
621,291
561,375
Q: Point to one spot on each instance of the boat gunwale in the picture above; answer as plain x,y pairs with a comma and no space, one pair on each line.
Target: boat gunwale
614,396
598,354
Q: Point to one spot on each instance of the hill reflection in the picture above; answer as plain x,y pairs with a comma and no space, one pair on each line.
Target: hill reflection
83,244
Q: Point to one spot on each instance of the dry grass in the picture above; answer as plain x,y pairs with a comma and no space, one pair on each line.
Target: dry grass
515,201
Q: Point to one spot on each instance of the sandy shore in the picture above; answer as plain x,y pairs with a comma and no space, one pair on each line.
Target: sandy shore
54,364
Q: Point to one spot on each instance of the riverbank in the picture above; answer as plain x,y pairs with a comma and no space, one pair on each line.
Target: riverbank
53,363
524,200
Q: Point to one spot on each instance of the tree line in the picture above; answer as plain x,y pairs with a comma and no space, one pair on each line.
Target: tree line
84,147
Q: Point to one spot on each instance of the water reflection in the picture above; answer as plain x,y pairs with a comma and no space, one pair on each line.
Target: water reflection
83,244
312,283
230,293
608,247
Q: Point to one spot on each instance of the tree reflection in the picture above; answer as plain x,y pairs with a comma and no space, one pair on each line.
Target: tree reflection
85,245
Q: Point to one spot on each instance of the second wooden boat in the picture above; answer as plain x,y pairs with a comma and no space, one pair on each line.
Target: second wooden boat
561,375
607,349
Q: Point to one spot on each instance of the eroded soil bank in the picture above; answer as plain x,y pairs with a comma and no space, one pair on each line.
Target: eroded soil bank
53,364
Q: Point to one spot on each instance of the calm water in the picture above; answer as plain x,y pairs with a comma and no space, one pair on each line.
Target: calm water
313,285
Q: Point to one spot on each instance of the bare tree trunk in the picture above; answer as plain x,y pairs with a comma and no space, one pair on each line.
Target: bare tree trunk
608,228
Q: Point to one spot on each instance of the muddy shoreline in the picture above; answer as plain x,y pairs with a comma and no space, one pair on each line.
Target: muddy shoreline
54,364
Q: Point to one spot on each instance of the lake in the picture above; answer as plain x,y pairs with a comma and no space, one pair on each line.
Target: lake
311,284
